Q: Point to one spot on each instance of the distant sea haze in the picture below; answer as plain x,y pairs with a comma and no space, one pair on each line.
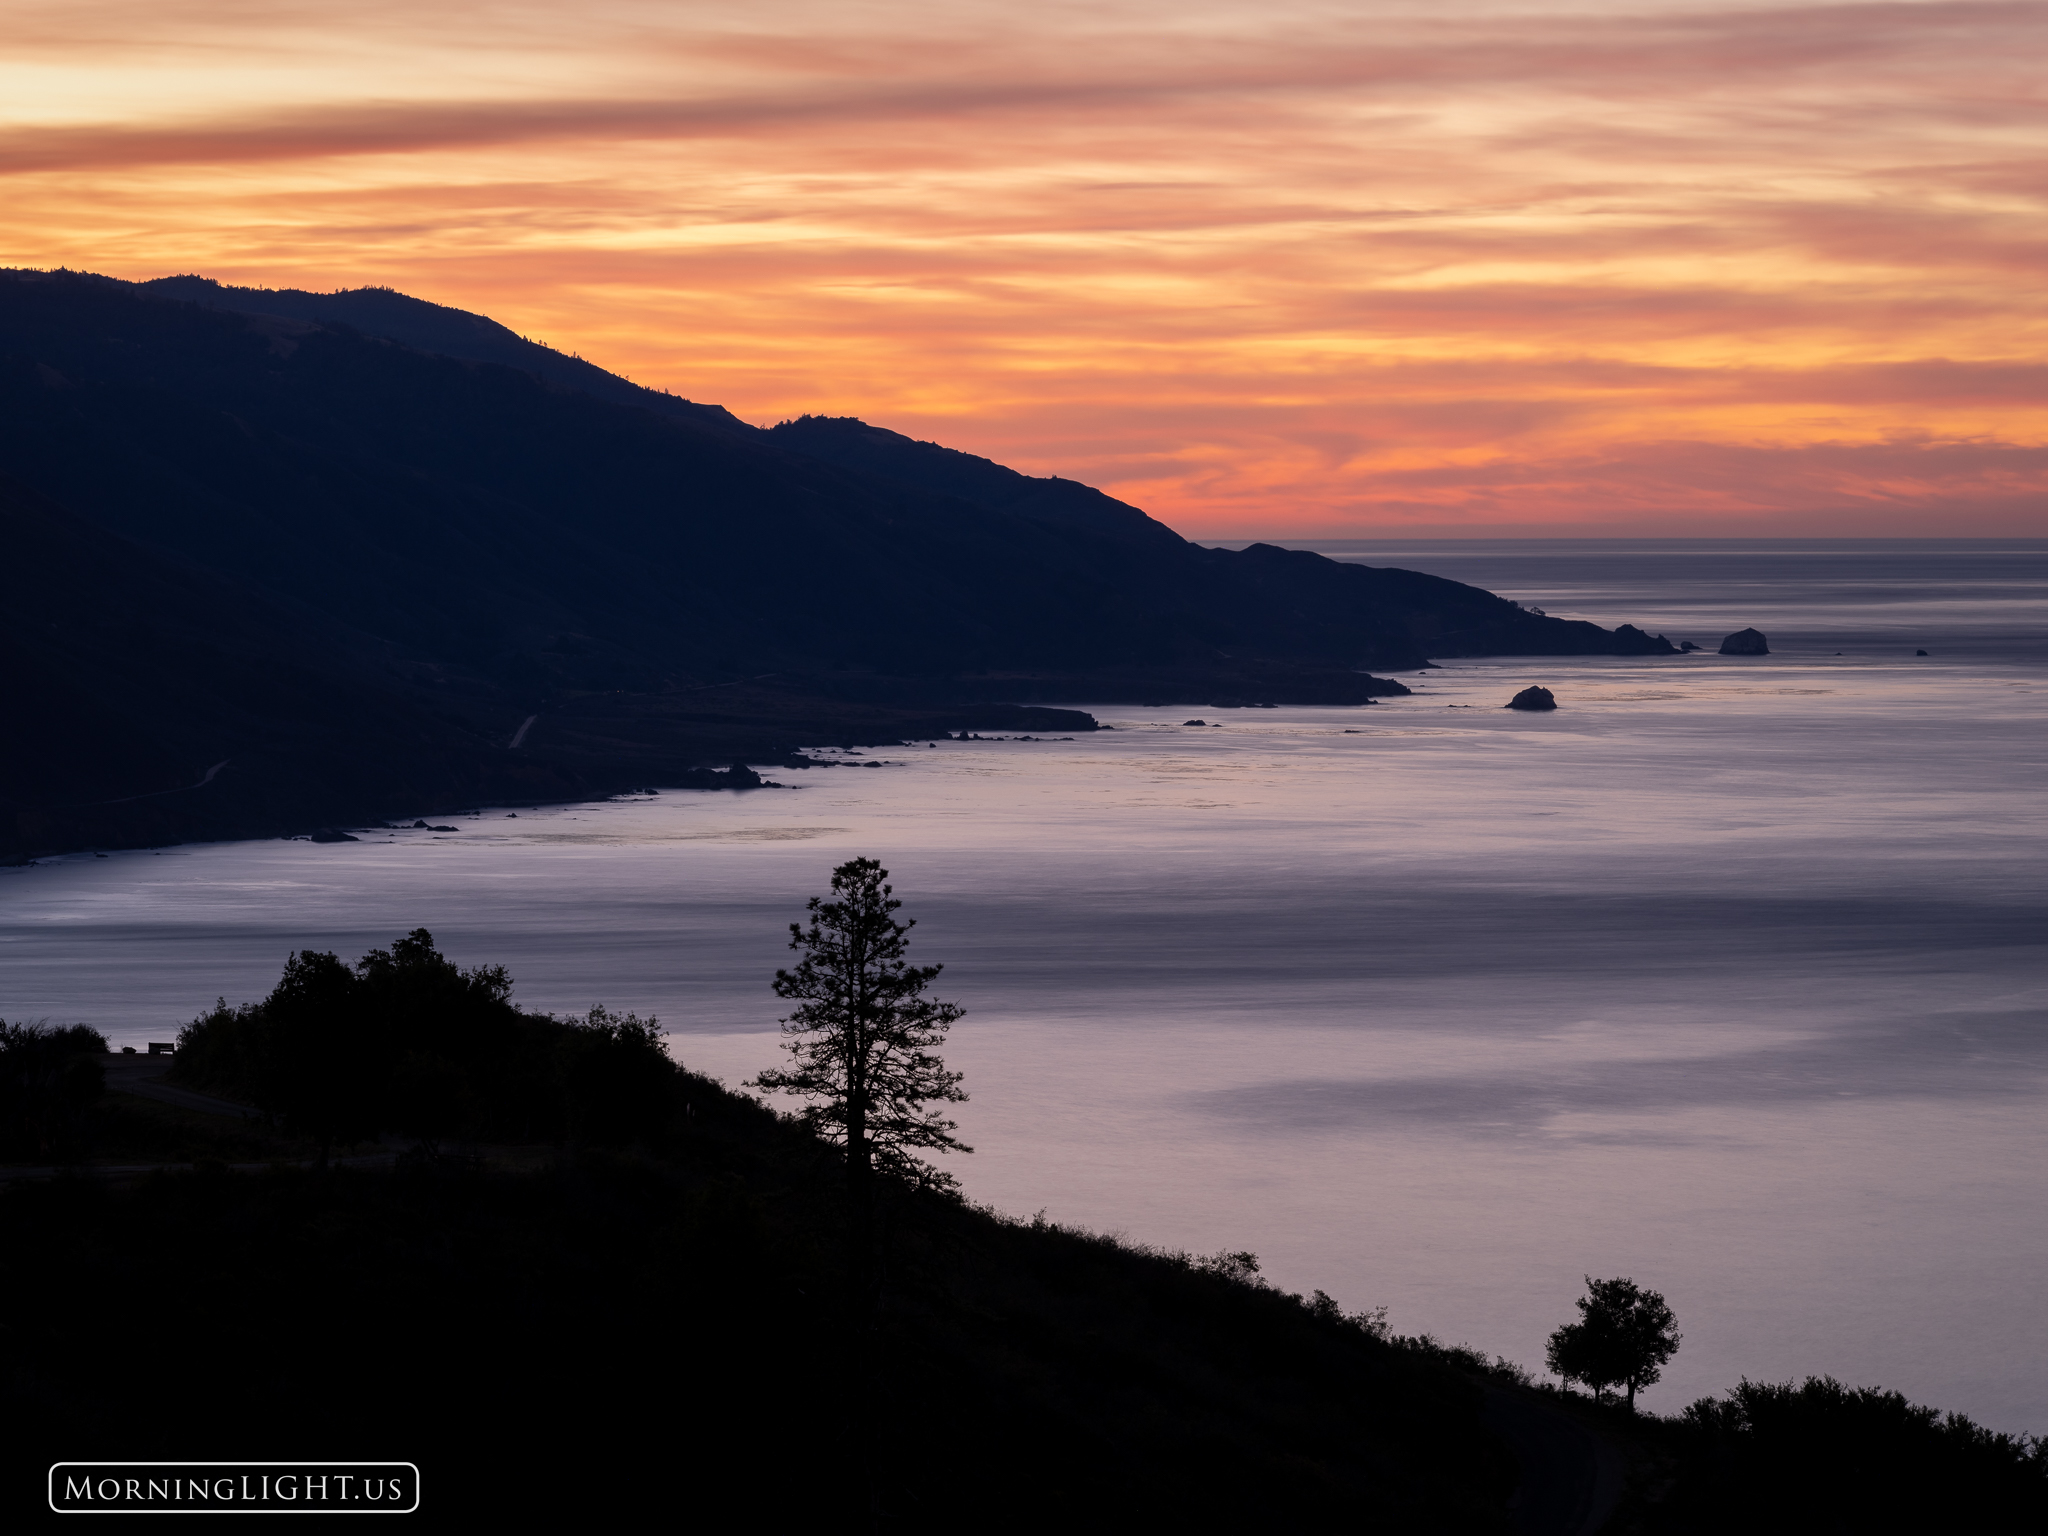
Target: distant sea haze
1728,975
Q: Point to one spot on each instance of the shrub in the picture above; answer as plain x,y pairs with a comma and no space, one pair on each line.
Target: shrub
406,1041
50,1079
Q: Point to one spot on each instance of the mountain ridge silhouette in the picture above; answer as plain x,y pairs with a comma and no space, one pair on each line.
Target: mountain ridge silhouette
443,529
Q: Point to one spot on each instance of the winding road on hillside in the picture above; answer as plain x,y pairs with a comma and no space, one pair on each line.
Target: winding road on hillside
143,1076
153,794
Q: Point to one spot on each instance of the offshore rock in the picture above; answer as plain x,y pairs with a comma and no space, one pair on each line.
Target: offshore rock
1746,642
1532,698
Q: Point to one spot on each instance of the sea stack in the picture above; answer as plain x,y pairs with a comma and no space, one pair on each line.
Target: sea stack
1532,698
1746,642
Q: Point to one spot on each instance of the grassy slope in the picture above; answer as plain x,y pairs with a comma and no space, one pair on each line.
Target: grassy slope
673,1320
567,1336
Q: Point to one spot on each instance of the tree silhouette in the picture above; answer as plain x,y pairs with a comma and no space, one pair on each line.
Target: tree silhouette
320,1066
406,1040
448,1032
1623,1337
863,1041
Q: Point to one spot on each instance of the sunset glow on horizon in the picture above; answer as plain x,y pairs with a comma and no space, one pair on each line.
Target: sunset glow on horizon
1296,269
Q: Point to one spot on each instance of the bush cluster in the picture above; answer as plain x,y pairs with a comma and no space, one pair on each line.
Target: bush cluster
404,1041
1822,1456
50,1079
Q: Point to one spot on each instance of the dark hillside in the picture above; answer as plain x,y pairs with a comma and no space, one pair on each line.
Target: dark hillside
454,541
145,691
438,328
386,1214
853,444
152,701
506,528
563,1336
1309,607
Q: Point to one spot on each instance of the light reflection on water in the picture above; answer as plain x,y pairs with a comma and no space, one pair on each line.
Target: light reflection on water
1726,976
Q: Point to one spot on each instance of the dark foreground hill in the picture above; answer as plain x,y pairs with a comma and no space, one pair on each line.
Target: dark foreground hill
612,1336
347,545
629,1302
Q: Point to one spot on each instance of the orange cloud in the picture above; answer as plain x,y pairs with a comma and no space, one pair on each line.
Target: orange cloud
1679,268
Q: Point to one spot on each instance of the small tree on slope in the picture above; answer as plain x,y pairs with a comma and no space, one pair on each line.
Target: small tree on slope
1623,1337
863,1039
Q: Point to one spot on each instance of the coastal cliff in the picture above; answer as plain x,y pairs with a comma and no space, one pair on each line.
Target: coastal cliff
340,552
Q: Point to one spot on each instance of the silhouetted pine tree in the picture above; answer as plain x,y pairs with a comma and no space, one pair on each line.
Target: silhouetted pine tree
863,1039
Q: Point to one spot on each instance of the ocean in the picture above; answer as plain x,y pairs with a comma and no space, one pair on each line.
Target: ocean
1727,976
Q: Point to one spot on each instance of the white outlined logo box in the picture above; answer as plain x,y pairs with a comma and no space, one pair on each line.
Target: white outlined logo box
234,1487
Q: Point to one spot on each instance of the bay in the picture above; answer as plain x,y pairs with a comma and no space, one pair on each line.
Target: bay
1728,975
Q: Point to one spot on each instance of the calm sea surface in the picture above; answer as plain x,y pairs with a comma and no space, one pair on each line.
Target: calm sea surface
1728,976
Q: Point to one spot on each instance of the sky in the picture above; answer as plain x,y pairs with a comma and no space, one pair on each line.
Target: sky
1308,269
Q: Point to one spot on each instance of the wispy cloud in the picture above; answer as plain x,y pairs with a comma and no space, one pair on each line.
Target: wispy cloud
1300,267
